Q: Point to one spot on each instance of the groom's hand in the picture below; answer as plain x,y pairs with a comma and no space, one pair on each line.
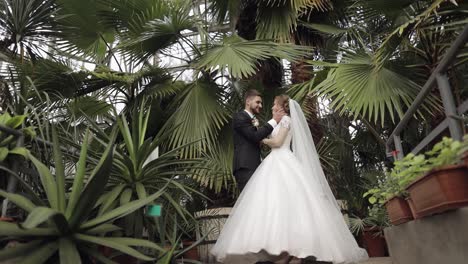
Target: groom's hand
277,115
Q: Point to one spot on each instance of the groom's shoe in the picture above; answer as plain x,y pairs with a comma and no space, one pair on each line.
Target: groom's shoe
265,262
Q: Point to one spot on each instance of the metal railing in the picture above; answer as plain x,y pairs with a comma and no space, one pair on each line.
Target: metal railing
452,113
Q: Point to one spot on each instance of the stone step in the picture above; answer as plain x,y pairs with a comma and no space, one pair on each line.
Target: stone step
385,260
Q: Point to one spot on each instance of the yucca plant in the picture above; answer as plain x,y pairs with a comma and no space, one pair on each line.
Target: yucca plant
139,170
65,225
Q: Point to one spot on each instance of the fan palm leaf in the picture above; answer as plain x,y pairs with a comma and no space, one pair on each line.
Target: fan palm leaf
198,115
27,25
241,57
361,87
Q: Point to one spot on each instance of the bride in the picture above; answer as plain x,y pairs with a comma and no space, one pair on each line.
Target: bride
287,209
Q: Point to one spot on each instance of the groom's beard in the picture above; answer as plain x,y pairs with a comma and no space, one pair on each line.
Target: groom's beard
255,111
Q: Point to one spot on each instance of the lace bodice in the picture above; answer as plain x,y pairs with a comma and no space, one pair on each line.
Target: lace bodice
286,123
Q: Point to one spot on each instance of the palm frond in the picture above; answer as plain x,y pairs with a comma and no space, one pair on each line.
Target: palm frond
241,57
363,88
198,116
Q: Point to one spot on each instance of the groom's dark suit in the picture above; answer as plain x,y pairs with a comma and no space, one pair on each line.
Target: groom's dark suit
247,139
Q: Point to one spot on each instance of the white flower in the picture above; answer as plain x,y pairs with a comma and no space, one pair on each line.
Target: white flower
255,122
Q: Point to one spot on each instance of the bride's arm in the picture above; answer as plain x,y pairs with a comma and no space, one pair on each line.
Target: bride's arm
278,139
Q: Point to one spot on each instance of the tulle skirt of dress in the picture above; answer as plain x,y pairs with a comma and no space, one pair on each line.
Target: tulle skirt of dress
283,210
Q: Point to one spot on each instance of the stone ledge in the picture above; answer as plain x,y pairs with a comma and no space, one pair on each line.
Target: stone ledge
437,239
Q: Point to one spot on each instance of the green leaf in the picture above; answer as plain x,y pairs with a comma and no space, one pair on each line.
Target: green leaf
127,135
18,250
19,200
94,188
41,254
78,181
361,86
240,57
103,229
372,200
126,196
329,29
48,182
4,118
59,171
25,186
137,243
11,229
68,252
123,210
112,196
15,121
96,254
29,132
38,216
111,242
20,151
3,153
141,191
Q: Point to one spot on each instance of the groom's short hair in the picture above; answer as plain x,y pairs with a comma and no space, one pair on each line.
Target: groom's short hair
251,93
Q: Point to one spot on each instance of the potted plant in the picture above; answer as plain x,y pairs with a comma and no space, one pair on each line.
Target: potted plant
464,150
369,229
391,191
445,186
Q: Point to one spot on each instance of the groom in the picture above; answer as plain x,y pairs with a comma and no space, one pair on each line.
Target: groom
248,135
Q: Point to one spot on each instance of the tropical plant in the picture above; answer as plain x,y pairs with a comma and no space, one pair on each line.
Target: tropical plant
273,19
377,217
408,169
26,26
141,167
382,49
8,142
403,173
65,225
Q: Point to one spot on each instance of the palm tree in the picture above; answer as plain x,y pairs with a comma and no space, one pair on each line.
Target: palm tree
386,55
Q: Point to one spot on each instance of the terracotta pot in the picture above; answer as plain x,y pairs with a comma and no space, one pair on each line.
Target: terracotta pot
440,190
465,158
192,253
413,210
398,210
374,242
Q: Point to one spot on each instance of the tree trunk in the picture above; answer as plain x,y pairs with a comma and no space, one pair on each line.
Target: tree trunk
270,72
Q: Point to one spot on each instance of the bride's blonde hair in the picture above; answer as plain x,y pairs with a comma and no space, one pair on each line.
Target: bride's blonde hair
283,101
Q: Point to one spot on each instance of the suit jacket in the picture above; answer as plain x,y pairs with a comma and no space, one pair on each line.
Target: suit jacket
247,139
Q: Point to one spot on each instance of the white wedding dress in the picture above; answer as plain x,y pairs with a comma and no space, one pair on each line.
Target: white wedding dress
285,209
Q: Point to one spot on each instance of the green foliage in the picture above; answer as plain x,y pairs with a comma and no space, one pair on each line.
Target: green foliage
66,221
411,167
8,142
446,152
240,57
376,217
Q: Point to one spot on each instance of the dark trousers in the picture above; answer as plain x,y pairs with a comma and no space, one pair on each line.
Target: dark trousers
242,177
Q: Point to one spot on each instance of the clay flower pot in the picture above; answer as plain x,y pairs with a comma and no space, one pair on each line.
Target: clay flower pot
398,210
441,189
374,242
465,158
